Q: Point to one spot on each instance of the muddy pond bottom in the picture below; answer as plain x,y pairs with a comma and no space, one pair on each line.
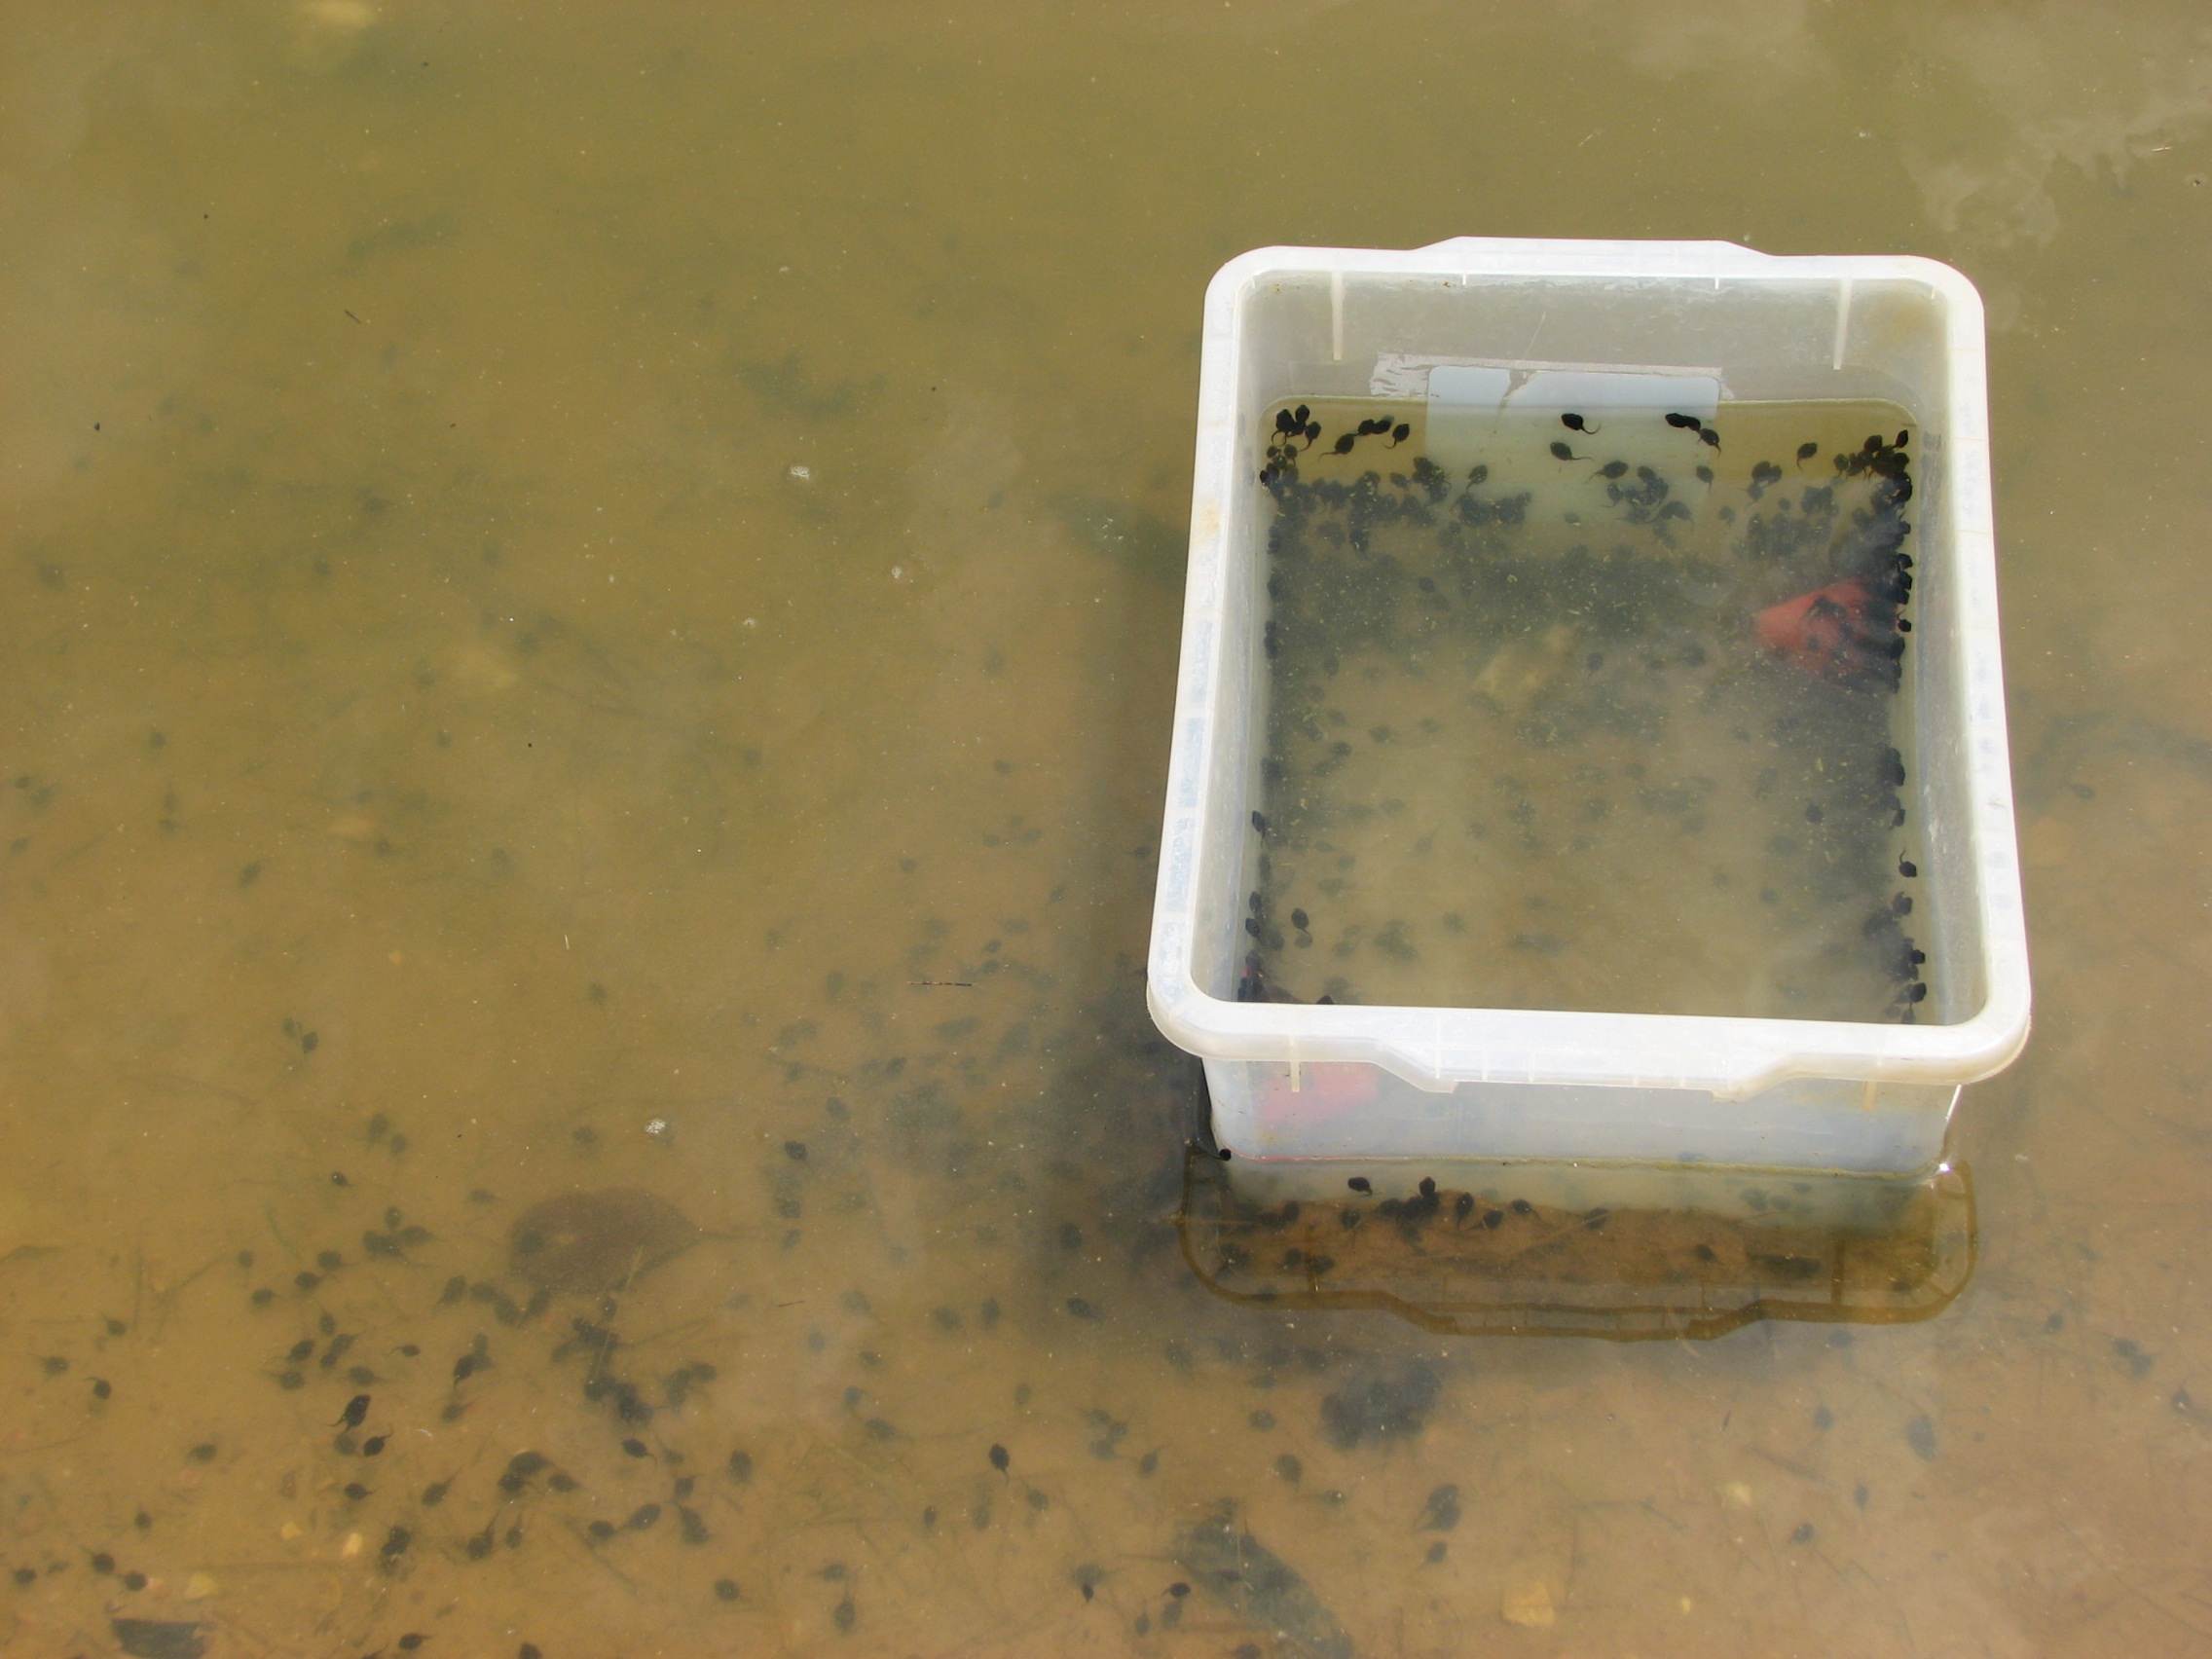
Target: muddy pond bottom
1590,711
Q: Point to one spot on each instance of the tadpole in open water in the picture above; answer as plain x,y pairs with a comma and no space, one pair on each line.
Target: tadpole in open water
597,1240
1259,1586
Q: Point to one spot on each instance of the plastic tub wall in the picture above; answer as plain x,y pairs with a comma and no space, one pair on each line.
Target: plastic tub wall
1290,1081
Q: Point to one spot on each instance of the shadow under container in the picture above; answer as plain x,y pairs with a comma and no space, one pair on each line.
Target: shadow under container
1622,326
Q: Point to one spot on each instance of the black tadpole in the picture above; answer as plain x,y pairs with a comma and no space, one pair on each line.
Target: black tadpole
1575,424
1560,452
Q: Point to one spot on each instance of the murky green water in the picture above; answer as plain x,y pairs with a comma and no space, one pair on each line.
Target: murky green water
590,607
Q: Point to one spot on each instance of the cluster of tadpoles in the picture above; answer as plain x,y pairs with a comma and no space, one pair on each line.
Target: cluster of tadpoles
1707,435
1427,1203
1852,630
1296,431
1252,983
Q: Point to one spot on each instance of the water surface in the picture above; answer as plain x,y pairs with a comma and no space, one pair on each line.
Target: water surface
590,609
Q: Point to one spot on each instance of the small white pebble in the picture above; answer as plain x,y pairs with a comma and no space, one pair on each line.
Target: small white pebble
803,473
898,572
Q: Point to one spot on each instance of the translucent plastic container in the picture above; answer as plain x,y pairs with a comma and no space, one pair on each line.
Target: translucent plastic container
1601,328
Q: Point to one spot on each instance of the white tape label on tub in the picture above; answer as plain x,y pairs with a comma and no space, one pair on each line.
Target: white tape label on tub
1570,385
1466,383
1413,379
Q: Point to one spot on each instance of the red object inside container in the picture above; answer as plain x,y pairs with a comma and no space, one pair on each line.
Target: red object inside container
1822,631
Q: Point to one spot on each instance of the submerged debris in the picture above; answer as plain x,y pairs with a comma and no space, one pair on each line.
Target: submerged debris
1257,1585
597,1240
